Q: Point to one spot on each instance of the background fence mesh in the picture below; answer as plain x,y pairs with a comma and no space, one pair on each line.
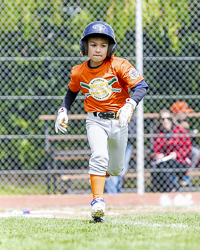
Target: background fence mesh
39,44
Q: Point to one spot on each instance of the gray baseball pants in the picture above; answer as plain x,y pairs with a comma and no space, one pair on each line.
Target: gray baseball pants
108,144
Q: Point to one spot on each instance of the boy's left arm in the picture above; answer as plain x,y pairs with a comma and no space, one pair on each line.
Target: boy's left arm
125,113
139,91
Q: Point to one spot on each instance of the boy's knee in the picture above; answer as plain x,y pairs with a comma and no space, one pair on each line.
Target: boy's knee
98,164
115,172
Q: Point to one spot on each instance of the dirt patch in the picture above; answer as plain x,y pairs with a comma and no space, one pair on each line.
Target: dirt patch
115,200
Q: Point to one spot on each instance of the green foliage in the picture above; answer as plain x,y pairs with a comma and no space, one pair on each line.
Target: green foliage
158,16
121,16
41,28
29,16
80,21
163,15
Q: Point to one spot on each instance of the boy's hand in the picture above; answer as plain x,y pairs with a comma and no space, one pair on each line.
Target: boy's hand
62,120
126,112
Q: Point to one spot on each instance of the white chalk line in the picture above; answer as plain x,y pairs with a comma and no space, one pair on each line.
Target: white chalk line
50,213
148,224
59,214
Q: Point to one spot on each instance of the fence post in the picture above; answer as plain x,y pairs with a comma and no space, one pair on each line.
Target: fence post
140,123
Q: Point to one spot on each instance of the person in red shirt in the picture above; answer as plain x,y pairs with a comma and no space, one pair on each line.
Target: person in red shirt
180,110
105,81
172,149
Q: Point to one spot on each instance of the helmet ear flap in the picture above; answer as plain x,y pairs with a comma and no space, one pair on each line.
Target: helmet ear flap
111,49
84,47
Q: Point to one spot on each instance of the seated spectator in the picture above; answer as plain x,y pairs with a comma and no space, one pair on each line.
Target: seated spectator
179,110
174,142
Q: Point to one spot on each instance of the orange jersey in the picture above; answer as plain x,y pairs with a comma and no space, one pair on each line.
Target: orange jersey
106,87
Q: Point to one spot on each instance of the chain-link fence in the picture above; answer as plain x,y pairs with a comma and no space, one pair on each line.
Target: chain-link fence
39,44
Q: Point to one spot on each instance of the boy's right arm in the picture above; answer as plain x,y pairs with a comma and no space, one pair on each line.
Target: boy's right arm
62,118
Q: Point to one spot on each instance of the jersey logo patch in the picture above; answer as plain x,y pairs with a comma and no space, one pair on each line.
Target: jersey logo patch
133,73
100,89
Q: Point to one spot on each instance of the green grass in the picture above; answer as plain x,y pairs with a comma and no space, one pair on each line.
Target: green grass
17,189
150,231
37,189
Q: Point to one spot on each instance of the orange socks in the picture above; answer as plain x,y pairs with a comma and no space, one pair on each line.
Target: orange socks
97,185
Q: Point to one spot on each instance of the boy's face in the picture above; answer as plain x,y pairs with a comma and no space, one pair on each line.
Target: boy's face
97,50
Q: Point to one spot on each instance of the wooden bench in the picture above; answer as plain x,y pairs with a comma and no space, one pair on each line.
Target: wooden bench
68,178
127,175
84,154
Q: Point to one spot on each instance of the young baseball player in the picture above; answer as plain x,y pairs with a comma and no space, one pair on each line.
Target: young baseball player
105,81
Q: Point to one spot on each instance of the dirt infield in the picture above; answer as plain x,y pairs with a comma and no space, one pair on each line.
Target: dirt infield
116,200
